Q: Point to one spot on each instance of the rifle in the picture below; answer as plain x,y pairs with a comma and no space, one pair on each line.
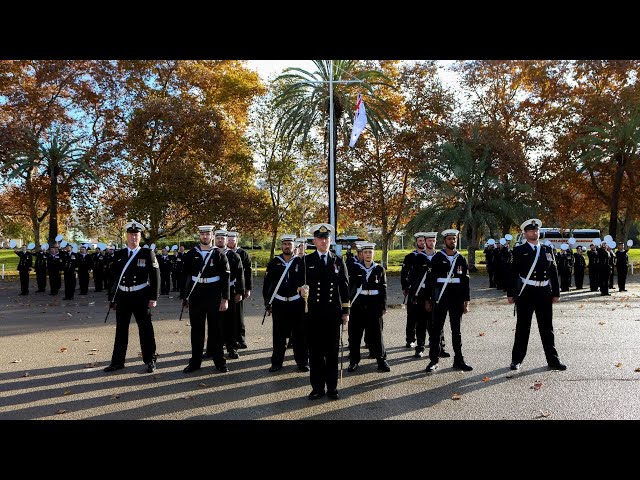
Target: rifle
341,352
264,316
108,312
181,310
404,299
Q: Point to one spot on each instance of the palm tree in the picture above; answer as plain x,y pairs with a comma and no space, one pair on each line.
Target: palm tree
466,193
304,100
58,159
609,150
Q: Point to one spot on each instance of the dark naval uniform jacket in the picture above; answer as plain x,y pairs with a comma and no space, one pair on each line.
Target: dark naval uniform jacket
328,285
545,270
206,290
141,280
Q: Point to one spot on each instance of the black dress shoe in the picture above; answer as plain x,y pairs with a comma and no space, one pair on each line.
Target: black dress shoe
275,368
444,354
419,354
333,394
461,365
352,367
558,366
190,368
207,355
222,368
303,368
233,355
314,395
515,366
151,366
112,368
432,367
410,344
384,366
241,345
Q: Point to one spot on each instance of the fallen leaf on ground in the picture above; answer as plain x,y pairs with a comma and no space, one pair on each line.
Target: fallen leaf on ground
456,396
543,414
61,411
19,360
485,379
139,354
618,364
63,349
76,339
202,385
87,340
67,392
601,323
186,397
115,397
91,365
637,369
93,350
509,375
92,303
177,331
92,353
537,385
581,306
481,334
27,374
69,314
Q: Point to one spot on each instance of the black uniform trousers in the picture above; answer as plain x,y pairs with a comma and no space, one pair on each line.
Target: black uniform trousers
24,282
83,281
594,281
288,319
69,283
366,317
174,280
423,322
622,278
229,324
610,277
240,328
491,271
455,307
98,279
324,336
199,314
579,274
54,281
136,303
538,300
410,331
165,283
41,278
565,276
604,280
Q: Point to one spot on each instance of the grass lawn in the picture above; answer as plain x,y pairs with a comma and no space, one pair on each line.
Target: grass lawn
10,260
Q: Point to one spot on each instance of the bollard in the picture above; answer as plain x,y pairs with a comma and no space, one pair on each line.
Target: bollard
3,271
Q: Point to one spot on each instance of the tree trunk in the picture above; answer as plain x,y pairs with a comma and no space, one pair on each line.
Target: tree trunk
472,240
614,224
385,250
274,235
53,202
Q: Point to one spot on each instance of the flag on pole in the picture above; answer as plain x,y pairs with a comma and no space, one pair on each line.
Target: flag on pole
359,121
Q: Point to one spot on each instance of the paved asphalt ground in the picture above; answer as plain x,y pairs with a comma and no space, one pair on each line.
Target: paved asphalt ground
52,353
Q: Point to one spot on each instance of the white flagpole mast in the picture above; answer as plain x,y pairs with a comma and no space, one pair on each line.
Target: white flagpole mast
332,160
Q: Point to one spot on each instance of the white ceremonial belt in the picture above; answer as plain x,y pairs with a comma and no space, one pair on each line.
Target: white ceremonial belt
535,283
134,288
369,292
205,279
451,280
287,299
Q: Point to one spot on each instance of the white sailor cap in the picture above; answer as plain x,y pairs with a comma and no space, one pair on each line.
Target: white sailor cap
322,230
450,231
205,228
133,227
288,238
222,233
233,234
503,241
301,240
508,237
360,244
420,234
368,246
531,224
564,246
491,241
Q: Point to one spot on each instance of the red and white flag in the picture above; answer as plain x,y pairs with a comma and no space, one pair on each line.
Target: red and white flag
359,121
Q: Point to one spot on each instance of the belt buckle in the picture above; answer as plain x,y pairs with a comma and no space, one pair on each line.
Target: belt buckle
286,299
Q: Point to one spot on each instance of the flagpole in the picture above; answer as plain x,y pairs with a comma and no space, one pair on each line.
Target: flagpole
332,166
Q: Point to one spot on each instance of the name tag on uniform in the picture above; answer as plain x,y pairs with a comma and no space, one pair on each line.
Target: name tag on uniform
142,262
549,257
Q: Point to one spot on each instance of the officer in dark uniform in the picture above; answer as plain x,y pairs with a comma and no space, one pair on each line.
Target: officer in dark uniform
286,306
506,258
489,259
592,255
54,267
405,281
69,268
327,294
368,288
612,261
605,269
24,267
85,265
165,272
174,273
564,270
497,263
534,292
236,289
135,287
179,266
207,296
418,296
579,265
108,266
41,268
232,244
98,268
622,264
448,288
